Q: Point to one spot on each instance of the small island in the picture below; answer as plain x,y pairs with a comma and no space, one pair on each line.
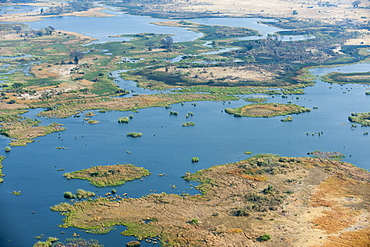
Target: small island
110,175
360,118
266,110
344,78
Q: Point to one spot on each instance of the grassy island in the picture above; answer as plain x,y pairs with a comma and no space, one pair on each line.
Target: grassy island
111,175
266,110
343,78
252,197
134,134
360,118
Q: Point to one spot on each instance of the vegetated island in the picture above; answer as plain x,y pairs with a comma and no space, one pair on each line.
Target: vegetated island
343,78
266,110
360,118
295,201
1,169
110,175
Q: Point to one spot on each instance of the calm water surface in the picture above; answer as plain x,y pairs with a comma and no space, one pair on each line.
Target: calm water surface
166,147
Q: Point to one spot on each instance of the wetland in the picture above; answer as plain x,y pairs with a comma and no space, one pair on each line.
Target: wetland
57,77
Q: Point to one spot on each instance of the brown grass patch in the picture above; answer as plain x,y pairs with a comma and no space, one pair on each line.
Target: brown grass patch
337,219
359,238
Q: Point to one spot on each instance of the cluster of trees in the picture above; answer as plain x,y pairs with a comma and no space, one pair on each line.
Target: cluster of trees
276,53
33,33
74,6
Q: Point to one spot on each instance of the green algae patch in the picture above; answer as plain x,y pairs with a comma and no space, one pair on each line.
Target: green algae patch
266,110
110,175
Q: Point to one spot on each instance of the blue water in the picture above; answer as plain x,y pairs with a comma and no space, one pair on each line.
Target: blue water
165,147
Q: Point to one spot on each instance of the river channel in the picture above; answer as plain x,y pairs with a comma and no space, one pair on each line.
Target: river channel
166,147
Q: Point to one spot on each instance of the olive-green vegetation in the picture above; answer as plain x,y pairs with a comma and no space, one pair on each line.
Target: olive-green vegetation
134,134
195,159
52,241
256,99
327,155
361,118
110,175
22,130
1,169
133,244
287,119
123,120
188,124
266,110
17,193
47,243
80,194
343,78
90,121
265,237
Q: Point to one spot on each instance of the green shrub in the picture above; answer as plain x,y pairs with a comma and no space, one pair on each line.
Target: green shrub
195,159
242,212
265,237
69,195
7,149
194,221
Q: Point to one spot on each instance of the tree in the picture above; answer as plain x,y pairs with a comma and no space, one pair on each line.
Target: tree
150,45
76,56
167,42
356,3
49,30
17,28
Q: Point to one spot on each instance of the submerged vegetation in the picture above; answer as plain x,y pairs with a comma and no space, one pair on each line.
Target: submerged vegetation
266,110
110,175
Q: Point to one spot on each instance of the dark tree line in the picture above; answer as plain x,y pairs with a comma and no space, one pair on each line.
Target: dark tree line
74,6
